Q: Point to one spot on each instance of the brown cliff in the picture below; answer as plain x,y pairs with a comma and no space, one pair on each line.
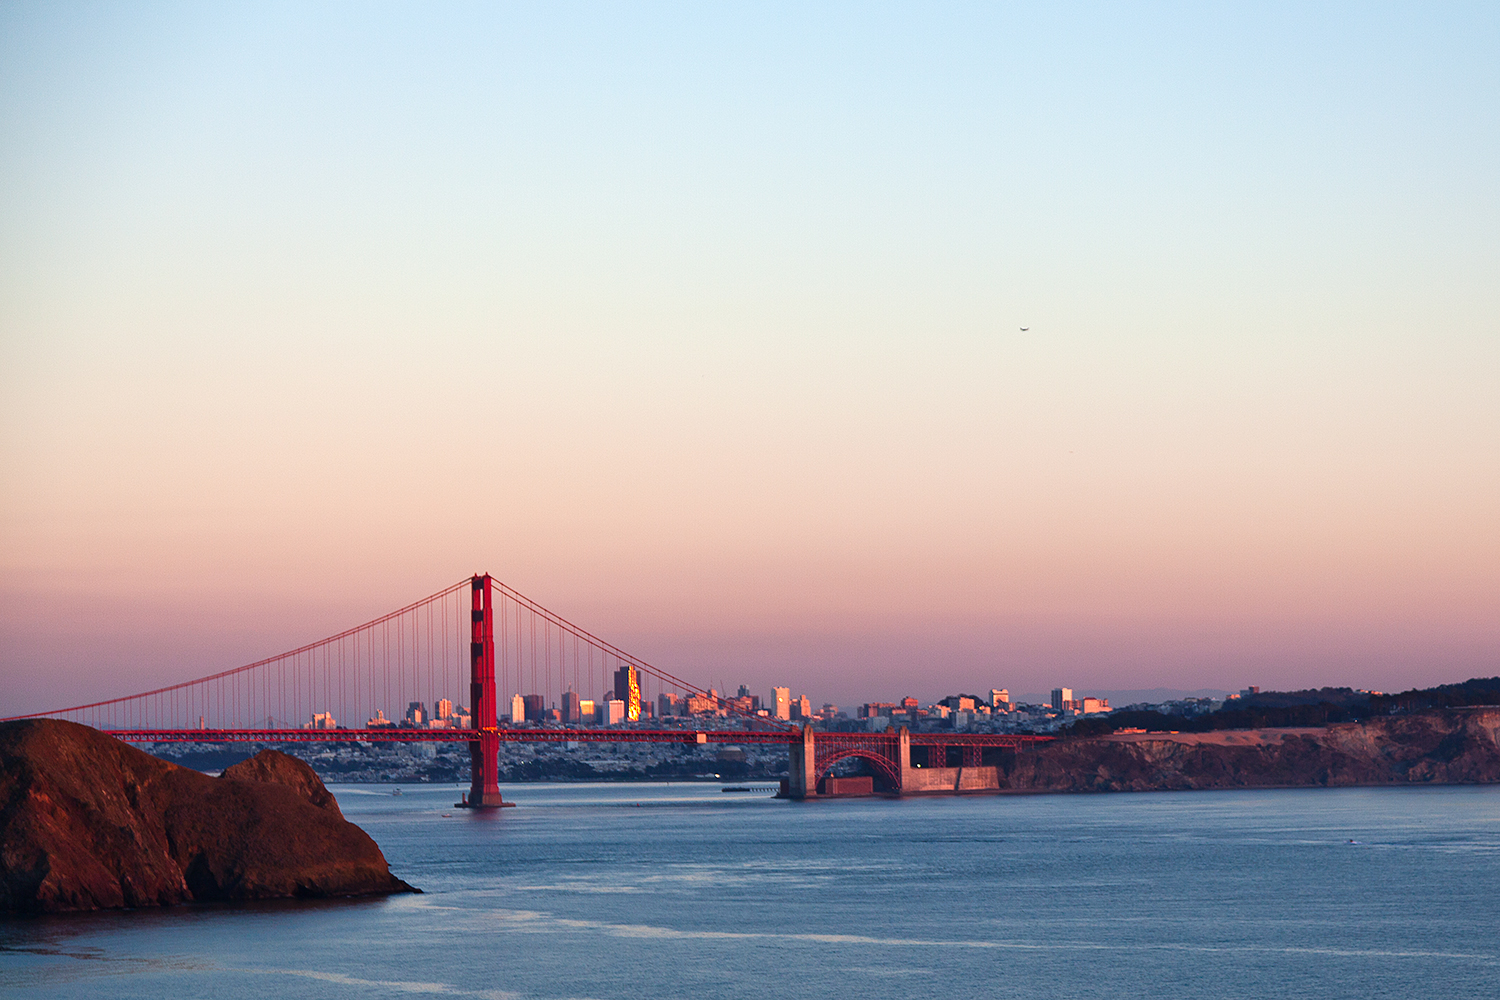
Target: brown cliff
1454,746
88,822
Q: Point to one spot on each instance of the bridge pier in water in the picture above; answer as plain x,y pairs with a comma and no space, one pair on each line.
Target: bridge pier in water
889,755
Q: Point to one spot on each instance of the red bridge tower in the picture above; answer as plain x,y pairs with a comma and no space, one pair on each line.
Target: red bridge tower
484,749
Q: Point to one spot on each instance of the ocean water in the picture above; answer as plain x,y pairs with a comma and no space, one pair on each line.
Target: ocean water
681,890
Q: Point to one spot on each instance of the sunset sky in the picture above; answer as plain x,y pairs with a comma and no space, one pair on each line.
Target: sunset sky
702,325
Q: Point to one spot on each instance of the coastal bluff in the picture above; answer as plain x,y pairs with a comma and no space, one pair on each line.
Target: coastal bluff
88,822
1443,746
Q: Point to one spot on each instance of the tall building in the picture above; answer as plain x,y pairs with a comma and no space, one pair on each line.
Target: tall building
701,704
616,711
588,711
321,720
668,704
804,707
536,707
998,697
571,706
517,709
1062,699
783,703
442,709
628,690
416,714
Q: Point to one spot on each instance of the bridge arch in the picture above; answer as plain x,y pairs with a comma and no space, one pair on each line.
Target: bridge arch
881,763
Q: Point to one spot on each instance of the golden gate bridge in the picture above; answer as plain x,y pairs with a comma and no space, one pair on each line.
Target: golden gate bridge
477,634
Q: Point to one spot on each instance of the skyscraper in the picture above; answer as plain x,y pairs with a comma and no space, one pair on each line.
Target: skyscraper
571,706
783,703
628,690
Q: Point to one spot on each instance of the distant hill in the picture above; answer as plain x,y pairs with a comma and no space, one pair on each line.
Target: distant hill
1152,696
1309,707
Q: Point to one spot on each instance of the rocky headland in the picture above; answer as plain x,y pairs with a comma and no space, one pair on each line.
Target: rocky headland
1445,746
88,822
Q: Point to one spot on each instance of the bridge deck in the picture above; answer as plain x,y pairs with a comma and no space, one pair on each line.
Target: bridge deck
509,734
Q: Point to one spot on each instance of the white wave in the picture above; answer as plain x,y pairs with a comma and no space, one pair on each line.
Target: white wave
531,921
398,985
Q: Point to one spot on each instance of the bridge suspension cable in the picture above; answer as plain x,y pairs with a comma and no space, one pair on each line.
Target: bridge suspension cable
390,668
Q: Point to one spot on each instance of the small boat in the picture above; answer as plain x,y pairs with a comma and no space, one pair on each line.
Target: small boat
396,792
735,788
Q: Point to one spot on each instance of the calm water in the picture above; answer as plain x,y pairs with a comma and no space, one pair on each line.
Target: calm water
616,891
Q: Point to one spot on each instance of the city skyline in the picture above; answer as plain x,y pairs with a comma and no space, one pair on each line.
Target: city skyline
897,350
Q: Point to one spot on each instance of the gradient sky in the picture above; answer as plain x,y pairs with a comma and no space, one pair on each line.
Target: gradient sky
701,325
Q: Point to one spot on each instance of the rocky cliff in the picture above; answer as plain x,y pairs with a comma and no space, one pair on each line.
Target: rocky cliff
1455,746
88,822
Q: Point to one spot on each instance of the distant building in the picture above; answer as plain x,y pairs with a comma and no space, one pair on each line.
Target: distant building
999,697
321,720
616,708
517,708
571,710
536,706
628,690
416,714
1251,690
1062,699
804,707
702,704
783,703
442,709
668,704
1088,706
380,721
587,710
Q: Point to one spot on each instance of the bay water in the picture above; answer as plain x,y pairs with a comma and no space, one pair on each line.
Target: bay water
682,890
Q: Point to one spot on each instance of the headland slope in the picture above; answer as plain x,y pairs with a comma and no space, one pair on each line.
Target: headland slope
88,822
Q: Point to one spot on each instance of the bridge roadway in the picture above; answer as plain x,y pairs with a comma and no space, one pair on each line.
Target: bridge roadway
526,734
811,754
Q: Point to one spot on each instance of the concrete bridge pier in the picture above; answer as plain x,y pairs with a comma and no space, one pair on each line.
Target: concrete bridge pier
802,774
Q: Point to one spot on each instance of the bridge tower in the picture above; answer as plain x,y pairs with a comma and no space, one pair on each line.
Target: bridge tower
484,749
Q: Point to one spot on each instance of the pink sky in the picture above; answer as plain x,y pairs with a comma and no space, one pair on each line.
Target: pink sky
712,342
